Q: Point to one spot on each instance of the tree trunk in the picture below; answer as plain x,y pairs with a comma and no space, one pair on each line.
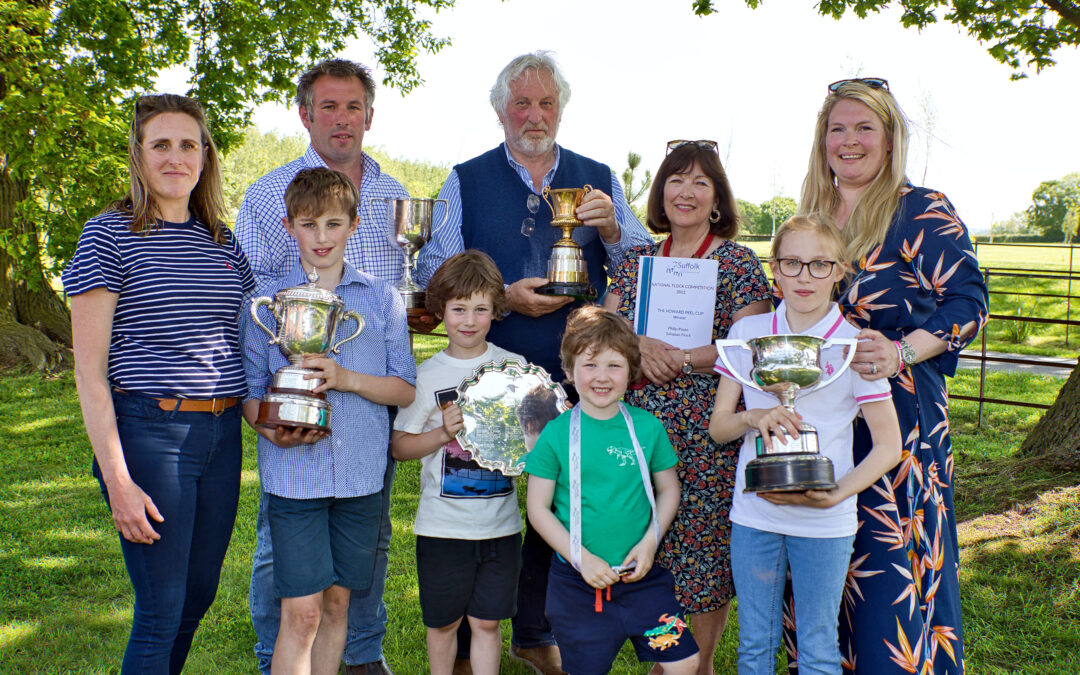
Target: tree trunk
1056,437
30,318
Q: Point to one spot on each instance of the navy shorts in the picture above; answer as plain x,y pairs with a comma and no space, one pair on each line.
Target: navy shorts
644,612
323,542
467,577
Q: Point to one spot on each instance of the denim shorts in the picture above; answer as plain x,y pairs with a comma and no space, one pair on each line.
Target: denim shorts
467,577
592,628
323,542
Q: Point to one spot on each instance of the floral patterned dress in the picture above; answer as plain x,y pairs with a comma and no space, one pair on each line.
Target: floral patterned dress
901,607
695,549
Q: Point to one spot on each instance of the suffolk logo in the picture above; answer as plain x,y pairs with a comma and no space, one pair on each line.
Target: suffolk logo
667,634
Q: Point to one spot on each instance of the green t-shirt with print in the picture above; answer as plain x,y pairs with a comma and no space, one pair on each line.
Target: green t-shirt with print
615,511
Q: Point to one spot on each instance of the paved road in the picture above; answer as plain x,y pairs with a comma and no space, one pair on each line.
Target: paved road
1062,369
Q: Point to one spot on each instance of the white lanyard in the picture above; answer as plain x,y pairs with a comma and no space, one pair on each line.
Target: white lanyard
575,481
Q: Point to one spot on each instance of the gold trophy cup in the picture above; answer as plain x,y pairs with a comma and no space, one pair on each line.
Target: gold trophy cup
567,274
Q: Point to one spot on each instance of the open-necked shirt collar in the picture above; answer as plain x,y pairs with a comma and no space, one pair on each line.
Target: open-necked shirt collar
825,327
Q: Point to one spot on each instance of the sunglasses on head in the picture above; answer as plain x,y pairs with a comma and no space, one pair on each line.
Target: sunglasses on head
872,82
674,145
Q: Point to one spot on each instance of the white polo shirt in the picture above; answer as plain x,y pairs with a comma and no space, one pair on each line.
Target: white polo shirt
831,409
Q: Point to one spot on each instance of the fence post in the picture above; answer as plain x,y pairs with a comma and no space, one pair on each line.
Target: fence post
982,363
1068,292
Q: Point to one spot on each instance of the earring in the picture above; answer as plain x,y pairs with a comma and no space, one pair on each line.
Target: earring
714,217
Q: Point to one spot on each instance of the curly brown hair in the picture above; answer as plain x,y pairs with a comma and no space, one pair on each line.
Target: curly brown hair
593,329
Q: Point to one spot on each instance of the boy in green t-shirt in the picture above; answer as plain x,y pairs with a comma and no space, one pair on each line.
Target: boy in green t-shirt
599,465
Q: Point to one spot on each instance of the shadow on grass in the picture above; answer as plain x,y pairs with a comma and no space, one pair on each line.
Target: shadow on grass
1019,573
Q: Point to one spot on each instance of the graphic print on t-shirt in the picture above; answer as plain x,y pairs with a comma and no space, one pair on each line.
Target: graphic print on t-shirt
462,477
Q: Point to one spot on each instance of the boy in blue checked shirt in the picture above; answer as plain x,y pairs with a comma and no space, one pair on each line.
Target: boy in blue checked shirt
324,505
609,471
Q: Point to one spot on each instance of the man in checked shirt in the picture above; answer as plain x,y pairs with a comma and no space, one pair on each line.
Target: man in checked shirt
335,104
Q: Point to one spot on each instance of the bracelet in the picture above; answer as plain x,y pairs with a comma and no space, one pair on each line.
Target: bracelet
899,357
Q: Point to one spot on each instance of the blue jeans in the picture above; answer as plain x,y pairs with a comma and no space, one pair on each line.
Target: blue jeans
367,612
189,464
759,564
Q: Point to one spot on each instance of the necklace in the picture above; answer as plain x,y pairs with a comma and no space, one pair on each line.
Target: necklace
665,251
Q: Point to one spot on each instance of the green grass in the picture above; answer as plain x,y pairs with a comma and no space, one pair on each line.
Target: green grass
65,600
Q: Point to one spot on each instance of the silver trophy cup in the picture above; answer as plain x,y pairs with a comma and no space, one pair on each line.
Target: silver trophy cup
307,317
785,366
410,228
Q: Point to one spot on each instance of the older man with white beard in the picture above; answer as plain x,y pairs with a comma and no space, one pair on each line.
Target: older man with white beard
495,206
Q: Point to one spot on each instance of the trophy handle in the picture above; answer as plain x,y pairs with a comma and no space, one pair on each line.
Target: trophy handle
851,343
722,352
336,349
446,213
544,195
255,305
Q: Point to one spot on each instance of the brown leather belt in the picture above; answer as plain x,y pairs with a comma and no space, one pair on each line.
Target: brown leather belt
215,406
208,405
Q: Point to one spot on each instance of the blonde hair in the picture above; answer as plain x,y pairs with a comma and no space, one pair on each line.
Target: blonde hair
206,203
874,209
821,225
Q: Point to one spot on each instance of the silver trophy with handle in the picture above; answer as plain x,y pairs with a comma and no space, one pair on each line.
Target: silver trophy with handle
786,366
410,228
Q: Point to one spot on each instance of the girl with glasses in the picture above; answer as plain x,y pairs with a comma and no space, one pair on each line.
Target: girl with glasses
807,533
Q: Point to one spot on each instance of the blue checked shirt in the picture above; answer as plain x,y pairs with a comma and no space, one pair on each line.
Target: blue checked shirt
271,251
352,460
447,241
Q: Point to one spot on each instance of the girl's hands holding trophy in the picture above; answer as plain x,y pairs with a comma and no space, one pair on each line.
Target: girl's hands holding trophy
821,499
771,422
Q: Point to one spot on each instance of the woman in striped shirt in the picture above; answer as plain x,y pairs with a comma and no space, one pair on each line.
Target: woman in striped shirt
156,285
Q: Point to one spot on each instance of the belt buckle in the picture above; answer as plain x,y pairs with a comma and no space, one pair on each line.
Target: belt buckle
214,406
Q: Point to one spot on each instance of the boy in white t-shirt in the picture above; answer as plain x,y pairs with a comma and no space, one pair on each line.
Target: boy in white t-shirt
809,532
468,524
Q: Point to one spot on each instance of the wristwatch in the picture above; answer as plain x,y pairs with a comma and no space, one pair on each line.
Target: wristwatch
907,353
687,367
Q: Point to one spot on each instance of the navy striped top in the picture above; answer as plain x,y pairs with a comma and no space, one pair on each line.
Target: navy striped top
175,330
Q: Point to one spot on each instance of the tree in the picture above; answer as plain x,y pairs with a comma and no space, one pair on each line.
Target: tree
69,71
749,216
259,152
1014,225
1054,205
633,161
763,219
775,212
1019,31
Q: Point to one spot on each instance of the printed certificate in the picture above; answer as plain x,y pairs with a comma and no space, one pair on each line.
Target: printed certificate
676,298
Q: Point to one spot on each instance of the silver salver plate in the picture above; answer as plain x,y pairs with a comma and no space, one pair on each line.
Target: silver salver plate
505,405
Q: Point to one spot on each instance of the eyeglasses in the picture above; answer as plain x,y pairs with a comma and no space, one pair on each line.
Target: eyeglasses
872,82
532,202
675,145
793,267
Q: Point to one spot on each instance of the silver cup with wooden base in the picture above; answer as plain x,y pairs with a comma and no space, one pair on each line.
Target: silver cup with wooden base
786,366
410,228
567,273
307,317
